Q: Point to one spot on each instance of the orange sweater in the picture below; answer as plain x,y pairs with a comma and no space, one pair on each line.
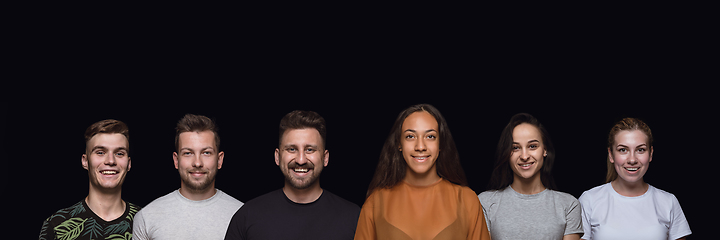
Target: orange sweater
442,210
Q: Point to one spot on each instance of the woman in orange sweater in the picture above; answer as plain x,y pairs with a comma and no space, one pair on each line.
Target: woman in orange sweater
419,190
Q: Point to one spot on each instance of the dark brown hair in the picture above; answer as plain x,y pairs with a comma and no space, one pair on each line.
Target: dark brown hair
196,123
628,124
502,175
107,126
391,167
299,119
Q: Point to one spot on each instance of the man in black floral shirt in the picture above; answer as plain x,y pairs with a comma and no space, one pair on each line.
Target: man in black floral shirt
102,214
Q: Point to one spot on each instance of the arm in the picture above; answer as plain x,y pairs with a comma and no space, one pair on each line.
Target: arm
366,222
234,230
46,232
139,231
574,236
478,225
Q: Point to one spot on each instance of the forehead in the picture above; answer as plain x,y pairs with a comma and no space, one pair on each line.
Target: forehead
301,137
109,140
633,137
420,120
196,139
526,131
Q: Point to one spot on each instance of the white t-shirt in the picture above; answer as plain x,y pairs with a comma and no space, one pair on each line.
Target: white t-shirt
654,215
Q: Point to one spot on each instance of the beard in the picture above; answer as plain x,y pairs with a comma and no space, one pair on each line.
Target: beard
304,182
198,184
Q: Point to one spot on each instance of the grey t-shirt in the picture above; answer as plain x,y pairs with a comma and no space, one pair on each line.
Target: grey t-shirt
175,217
545,215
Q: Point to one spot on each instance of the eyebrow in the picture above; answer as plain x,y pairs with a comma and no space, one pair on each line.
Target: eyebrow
413,130
622,145
106,149
531,141
202,149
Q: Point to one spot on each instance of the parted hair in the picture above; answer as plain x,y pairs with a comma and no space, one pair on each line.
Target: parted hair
392,167
196,123
107,126
628,124
299,119
502,174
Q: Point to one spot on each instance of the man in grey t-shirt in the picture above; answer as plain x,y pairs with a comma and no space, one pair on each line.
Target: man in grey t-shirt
545,215
197,210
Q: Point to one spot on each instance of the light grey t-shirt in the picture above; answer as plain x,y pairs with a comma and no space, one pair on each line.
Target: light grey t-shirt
175,217
545,215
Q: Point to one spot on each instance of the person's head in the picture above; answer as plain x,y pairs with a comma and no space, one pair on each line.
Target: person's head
419,141
197,156
630,149
524,151
106,157
301,153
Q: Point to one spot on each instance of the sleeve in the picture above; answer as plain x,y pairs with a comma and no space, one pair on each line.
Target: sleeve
679,226
139,230
585,216
236,227
46,231
366,222
573,218
478,226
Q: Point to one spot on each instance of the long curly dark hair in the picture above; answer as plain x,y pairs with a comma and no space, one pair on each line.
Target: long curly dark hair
391,167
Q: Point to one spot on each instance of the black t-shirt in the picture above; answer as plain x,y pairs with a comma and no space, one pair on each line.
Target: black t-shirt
80,222
274,216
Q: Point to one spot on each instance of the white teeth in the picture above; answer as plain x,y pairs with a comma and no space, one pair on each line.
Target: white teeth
526,165
109,172
420,158
632,169
302,170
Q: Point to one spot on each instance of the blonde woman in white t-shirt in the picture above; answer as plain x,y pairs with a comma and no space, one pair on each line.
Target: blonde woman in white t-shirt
626,207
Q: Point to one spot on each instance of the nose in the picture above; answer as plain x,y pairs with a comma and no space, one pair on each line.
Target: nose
525,155
197,163
110,160
301,158
632,159
420,145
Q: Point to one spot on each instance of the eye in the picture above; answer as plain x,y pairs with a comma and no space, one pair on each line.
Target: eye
207,153
100,152
409,137
187,153
431,137
641,150
310,150
516,148
291,149
622,150
533,146
120,154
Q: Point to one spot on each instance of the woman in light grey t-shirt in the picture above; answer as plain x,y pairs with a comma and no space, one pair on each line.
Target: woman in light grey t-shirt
522,203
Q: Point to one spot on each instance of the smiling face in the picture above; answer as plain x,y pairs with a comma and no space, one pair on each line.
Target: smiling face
198,160
301,157
528,151
106,159
631,155
420,145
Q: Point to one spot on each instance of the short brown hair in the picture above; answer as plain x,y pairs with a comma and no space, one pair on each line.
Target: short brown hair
196,123
299,119
628,124
107,126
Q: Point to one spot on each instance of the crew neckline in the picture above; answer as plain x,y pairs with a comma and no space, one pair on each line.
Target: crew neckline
528,196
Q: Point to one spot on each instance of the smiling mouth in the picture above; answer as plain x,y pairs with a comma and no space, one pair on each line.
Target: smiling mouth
632,169
108,172
301,170
526,165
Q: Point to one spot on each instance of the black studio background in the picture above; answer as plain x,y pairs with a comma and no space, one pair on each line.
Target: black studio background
577,77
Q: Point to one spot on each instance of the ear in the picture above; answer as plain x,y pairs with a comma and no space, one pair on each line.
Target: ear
327,158
651,152
175,160
277,156
610,156
129,164
221,155
544,153
85,161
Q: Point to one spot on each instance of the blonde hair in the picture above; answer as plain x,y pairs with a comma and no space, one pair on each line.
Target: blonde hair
628,124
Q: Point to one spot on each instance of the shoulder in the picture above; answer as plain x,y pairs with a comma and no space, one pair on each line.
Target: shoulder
161,203
490,196
228,200
664,197
68,212
338,201
270,198
594,193
563,197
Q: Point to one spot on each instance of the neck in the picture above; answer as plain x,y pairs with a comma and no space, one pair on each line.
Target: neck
527,186
107,204
629,189
421,179
306,195
197,194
